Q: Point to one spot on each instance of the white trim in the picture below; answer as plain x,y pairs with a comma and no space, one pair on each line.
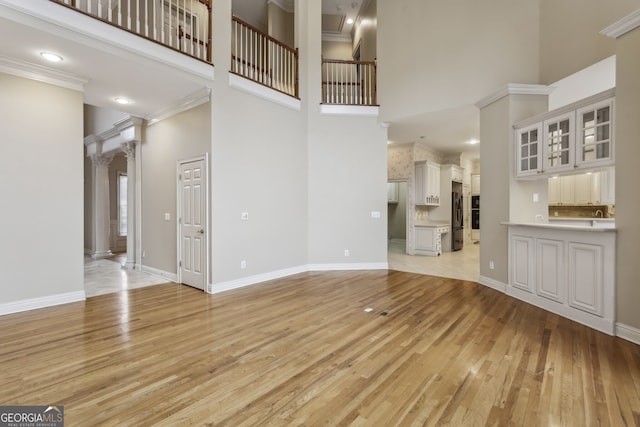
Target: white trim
628,333
623,26
264,92
256,279
159,273
278,274
342,38
493,284
348,266
596,322
196,99
514,89
42,74
350,110
41,302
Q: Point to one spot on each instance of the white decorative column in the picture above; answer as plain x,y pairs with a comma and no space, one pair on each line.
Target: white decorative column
101,216
129,149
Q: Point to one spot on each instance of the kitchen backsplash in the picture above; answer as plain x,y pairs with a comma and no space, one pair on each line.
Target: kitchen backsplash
593,211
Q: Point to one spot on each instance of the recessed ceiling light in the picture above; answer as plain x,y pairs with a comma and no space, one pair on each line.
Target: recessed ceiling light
350,21
51,56
122,101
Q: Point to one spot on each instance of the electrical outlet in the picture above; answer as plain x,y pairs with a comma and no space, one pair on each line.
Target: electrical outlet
346,252
244,216
243,264
491,265
144,254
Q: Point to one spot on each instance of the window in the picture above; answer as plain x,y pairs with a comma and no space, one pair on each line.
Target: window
122,204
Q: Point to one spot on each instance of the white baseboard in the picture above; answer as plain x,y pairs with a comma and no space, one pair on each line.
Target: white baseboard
41,302
172,277
347,266
493,284
259,278
628,333
253,280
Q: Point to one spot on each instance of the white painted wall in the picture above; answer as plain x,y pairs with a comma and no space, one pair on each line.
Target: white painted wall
183,136
437,55
41,167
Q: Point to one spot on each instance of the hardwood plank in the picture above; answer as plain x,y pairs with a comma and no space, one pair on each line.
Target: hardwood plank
301,351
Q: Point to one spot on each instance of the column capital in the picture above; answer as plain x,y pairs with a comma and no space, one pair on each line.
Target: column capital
129,149
101,159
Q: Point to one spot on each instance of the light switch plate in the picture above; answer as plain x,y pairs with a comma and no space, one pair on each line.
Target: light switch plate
375,214
167,217
244,216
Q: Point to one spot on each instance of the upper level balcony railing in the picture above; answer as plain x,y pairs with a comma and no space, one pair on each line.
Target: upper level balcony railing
183,25
349,82
263,59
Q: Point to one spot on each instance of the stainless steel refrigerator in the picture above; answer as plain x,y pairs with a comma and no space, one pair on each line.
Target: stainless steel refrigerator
457,230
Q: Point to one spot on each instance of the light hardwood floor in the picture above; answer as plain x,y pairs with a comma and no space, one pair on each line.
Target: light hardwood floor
302,351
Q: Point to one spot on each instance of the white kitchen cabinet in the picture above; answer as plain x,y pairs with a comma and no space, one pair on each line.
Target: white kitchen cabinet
595,134
429,239
586,287
582,189
576,137
558,143
392,192
553,195
567,271
529,150
550,277
456,173
475,184
567,190
427,185
522,263
608,186
582,184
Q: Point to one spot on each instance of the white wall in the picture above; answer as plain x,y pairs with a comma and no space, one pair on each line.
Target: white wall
180,137
259,166
41,167
436,55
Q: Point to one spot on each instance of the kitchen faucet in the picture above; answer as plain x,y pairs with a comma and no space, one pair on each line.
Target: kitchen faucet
596,214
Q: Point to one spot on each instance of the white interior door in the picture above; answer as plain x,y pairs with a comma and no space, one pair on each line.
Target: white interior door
192,222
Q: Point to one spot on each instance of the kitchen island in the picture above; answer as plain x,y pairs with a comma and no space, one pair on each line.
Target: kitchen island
566,268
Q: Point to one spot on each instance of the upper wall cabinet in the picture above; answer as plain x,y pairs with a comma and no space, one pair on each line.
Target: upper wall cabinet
427,175
595,128
573,138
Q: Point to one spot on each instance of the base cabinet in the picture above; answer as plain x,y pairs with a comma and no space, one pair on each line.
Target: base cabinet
429,239
568,272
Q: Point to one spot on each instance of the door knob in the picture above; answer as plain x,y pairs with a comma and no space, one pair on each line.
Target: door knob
201,231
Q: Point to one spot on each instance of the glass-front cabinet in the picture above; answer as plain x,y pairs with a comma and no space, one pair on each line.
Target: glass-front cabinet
595,128
576,137
529,148
558,143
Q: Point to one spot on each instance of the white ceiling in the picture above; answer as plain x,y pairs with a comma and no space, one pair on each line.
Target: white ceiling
154,86
109,72
448,132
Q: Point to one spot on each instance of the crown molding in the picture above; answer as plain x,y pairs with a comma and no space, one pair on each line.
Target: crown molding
196,99
514,89
623,26
42,74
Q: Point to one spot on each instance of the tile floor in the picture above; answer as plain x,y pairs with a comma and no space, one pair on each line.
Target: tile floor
463,264
103,276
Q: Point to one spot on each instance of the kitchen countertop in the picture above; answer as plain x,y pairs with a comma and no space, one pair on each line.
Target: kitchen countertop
432,224
567,227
